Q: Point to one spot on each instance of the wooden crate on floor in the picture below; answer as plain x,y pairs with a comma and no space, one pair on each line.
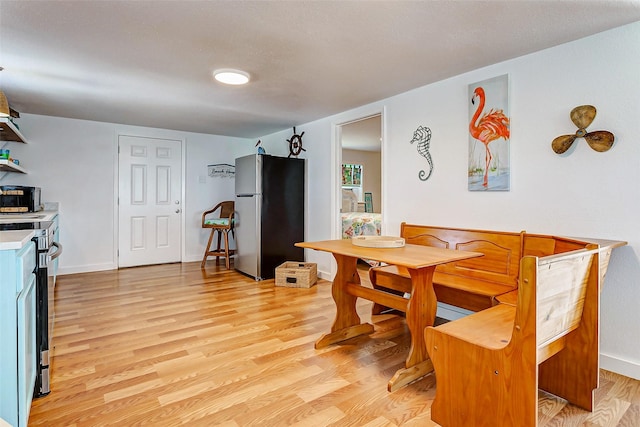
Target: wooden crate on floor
294,274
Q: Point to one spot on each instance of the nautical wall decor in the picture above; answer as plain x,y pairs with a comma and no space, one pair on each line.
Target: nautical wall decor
582,116
489,135
295,143
422,138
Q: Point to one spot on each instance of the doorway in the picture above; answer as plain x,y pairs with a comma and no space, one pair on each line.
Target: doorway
149,201
360,183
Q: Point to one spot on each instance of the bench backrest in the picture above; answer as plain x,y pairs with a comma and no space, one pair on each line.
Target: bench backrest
541,245
560,293
552,295
502,251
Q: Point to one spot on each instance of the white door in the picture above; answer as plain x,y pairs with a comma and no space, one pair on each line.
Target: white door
150,202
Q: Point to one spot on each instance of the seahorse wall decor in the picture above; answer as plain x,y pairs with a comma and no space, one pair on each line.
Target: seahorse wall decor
422,136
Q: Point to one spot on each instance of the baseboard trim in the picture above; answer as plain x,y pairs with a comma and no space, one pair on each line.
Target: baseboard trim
620,366
86,268
324,275
194,258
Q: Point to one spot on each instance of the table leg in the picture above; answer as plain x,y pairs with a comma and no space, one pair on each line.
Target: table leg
347,323
421,312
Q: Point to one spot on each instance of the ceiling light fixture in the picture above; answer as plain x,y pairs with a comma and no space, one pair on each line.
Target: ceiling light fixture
231,77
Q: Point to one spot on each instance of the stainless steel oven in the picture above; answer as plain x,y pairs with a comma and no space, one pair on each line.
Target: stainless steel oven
47,250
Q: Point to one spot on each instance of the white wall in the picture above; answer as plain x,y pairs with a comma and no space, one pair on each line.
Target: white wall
75,163
582,193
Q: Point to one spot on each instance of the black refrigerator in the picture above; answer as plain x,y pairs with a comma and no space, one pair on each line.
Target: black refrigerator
269,217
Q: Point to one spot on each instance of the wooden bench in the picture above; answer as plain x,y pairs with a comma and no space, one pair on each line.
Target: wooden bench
489,365
473,284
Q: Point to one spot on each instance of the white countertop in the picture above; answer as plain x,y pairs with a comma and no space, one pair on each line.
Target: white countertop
15,239
28,217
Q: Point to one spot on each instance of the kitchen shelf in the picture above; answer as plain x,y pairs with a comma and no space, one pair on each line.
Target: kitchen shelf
9,132
7,166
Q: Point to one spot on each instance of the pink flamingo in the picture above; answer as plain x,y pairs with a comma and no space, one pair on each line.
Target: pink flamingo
491,126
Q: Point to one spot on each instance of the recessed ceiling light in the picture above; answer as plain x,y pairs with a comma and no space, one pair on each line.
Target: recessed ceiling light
231,77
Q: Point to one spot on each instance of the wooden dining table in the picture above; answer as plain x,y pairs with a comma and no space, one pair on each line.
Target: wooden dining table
420,307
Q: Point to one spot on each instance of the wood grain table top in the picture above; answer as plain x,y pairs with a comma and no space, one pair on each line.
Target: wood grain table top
410,256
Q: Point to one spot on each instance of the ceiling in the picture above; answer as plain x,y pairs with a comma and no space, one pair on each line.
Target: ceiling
150,63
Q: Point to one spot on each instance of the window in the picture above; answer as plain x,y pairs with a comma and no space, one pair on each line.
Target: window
351,175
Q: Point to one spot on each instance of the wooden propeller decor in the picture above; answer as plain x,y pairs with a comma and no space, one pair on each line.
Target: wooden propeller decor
582,116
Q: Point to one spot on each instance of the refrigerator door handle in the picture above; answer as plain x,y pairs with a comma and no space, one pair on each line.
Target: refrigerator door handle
245,195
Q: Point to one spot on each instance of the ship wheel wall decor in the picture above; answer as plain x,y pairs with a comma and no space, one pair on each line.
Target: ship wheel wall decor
582,116
295,144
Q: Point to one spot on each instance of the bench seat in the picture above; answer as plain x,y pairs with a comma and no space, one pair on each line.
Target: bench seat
510,298
491,328
462,291
490,365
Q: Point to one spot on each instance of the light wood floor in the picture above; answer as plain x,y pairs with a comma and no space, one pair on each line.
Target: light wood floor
173,344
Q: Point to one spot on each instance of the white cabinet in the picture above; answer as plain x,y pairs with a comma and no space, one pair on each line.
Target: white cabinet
27,352
17,333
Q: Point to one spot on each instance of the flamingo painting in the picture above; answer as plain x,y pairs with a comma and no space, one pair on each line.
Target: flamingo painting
487,127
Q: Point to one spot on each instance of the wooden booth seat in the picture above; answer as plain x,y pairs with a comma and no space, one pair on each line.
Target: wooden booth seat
478,283
472,284
489,365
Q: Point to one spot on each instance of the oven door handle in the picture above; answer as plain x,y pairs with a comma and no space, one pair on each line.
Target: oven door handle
58,251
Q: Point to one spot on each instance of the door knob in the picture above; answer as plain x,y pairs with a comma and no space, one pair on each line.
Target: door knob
177,210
